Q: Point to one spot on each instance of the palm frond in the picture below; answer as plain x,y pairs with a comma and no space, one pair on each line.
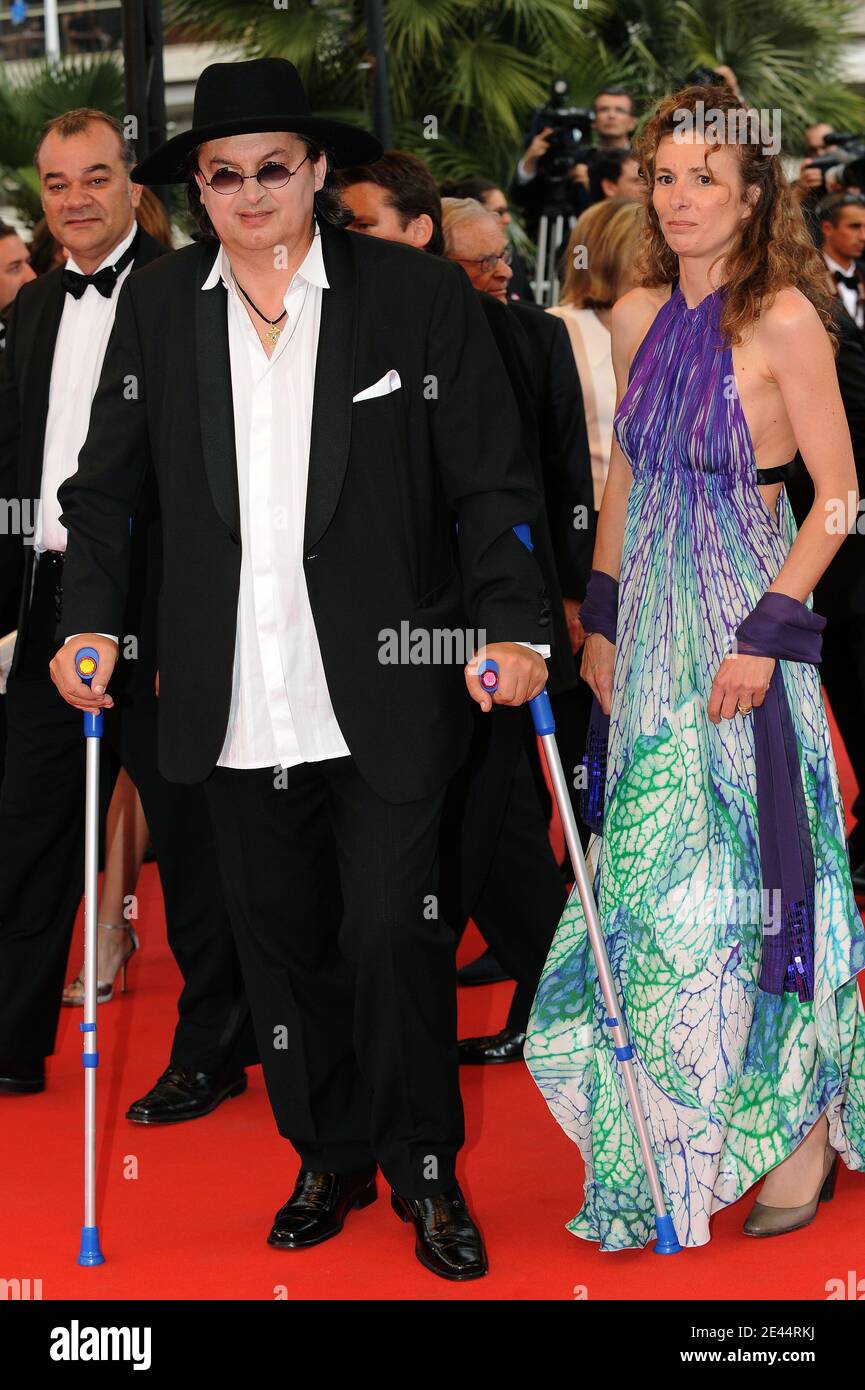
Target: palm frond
27,102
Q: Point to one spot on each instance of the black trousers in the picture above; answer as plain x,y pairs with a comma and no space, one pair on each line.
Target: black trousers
2,735
498,866
349,967
842,670
42,865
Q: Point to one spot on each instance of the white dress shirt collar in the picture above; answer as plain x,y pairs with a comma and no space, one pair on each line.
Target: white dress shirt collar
112,257
310,269
833,265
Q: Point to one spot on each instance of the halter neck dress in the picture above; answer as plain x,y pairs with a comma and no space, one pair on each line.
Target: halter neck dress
731,1078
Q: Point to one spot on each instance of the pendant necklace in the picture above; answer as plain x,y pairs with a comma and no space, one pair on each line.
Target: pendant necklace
272,335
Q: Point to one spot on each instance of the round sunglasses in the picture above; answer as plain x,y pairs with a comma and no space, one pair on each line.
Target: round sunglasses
270,175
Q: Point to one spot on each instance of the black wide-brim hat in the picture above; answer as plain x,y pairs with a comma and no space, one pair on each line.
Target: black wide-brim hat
244,98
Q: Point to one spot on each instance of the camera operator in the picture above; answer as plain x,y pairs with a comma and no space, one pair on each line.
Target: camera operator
553,171
834,163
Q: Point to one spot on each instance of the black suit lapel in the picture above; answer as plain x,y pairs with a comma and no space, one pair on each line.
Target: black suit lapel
148,249
334,385
216,410
846,322
36,384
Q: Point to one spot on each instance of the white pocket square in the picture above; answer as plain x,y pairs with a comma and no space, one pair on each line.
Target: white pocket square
389,382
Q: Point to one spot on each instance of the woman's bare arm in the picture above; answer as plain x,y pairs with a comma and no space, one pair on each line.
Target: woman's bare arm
799,355
628,325
631,319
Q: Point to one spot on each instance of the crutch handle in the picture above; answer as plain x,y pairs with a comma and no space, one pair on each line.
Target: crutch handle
86,665
488,675
540,706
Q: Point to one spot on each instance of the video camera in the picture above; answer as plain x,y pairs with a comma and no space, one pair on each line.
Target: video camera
848,158
571,137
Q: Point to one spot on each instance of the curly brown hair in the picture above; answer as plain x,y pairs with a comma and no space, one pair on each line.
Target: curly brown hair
774,250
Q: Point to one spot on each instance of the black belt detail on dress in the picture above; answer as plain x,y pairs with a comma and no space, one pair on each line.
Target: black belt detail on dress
777,475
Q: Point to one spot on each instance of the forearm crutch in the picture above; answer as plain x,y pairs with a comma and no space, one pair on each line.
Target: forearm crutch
545,728
86,663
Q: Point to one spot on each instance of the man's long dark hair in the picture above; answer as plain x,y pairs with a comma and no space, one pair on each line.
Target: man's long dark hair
328,205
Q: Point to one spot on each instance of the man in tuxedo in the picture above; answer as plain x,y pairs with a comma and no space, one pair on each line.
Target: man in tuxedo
536,352
58,333
15,271
840,595
321,411
498,866
544,377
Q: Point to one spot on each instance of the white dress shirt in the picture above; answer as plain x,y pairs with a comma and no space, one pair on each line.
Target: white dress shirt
281,713
85,327
849,298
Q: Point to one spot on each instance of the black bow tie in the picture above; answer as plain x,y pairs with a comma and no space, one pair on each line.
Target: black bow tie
103,280
851,281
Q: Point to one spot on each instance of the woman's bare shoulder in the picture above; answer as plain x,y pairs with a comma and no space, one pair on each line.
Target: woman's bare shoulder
638,302
633,315
789,321
788,311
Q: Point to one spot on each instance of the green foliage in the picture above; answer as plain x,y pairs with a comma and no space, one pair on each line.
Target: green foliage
481,66
26,103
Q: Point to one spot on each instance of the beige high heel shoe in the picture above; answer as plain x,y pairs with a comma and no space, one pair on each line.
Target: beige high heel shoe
777,1221
73,994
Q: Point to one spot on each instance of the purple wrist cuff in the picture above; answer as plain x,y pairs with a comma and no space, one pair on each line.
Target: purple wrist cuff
783,628
599,610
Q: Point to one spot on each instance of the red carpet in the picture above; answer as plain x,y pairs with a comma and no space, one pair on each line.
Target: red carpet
184,1211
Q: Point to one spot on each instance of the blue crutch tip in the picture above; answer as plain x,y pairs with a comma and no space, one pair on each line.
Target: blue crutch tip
542,714
90,1254
666,1244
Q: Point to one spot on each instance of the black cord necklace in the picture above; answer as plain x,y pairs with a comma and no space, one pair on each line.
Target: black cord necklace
273,336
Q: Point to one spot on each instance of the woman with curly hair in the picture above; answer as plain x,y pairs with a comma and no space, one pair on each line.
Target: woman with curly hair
723,885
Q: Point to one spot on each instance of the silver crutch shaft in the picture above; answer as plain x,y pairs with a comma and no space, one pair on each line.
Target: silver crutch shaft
86,662
545,727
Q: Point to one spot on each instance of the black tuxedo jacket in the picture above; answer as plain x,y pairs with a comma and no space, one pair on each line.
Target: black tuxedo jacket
565,456
840,594
389,478
25,379
543,376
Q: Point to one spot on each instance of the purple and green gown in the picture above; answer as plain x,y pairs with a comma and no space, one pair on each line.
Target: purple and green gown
731,1078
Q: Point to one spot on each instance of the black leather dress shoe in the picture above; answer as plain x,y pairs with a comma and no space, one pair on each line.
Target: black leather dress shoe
506,1046
483,970
448,1241
181,1094
22,1078
318,1206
